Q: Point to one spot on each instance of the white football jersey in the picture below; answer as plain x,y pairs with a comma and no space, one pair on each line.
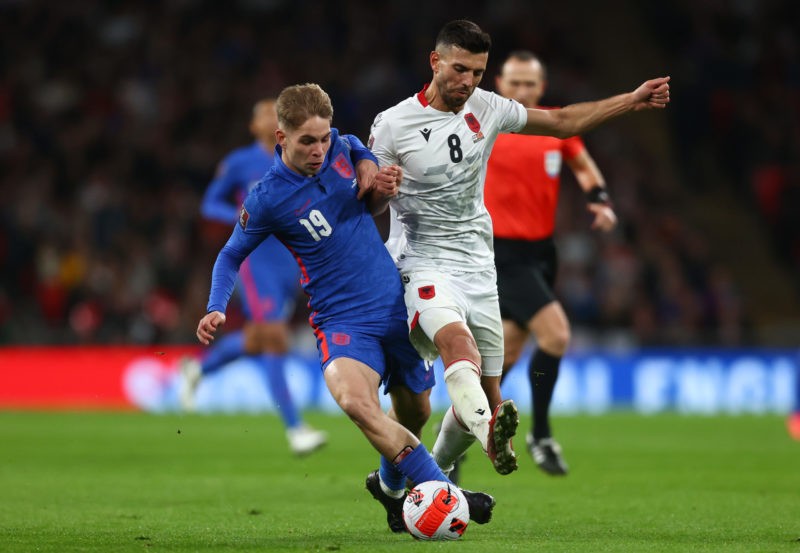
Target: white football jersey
443,155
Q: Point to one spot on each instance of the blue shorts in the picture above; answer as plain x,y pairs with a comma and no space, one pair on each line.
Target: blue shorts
268,282
382,345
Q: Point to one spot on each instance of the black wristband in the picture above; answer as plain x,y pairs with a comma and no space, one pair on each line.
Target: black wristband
598,195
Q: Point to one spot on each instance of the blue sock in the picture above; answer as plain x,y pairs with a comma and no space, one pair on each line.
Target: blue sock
274,370
420,467
797,392
392,476
224,350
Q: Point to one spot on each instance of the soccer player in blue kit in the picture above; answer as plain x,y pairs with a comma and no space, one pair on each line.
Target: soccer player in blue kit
268,284
311,200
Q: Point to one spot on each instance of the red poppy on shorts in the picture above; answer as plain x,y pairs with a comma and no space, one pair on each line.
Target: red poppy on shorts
427,292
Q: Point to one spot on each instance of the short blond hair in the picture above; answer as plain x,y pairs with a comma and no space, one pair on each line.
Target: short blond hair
298,103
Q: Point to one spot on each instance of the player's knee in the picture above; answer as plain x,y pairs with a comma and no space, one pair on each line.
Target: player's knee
265,337
556,341
511,354
457,343
360,410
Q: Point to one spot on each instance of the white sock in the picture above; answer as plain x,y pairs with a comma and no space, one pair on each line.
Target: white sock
469,400
453,440
390,492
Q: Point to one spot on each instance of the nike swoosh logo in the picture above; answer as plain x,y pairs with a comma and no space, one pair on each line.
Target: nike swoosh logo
300,211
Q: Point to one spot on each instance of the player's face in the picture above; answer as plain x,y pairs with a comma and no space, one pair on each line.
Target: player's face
304,148
456,74
523,81
264,122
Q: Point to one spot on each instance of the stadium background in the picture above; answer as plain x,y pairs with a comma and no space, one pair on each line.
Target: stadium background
114,114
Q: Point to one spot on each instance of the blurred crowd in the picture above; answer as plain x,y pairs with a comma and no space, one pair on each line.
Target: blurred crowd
114,114
740,71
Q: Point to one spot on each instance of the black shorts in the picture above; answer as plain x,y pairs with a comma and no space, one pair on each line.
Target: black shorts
526,273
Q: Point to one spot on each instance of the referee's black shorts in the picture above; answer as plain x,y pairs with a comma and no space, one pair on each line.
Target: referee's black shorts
526,273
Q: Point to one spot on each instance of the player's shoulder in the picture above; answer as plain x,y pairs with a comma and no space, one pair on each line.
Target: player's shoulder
339,140
399,112
489,100
263,192
240,154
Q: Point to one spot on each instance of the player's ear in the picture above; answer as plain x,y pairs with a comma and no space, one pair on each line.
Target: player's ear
435,57
281,137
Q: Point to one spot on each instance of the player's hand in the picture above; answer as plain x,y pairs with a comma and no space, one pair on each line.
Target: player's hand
604,217
387,181
366,169
208,325
652,94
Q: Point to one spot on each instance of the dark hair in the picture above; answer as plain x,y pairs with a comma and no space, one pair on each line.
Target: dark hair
464,34
527,55
296,104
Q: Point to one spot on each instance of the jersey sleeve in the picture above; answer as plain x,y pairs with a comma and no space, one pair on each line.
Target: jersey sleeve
249,232
216,204
381,141
357,150
514,116
511,115
571,147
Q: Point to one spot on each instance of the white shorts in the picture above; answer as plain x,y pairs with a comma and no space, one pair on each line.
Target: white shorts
468,297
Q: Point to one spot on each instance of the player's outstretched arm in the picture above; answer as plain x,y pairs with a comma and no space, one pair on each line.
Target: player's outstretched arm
579,118
208,325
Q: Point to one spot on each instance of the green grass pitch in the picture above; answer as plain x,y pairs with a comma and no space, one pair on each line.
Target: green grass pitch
123,482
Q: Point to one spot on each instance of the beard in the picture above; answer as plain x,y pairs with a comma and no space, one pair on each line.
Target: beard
455,101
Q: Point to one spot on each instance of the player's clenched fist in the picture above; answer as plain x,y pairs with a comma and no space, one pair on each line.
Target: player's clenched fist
208,326
652,94
387,180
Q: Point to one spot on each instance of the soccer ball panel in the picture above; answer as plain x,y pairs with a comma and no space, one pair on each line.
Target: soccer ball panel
436,511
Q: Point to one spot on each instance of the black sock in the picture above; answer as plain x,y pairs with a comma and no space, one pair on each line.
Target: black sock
543,373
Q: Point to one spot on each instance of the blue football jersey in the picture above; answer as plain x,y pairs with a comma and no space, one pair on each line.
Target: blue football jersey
268,281
346,270
236,175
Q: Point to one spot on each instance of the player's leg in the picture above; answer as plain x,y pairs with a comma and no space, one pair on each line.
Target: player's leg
439,305
551,329
411,410
437,315
408,380
268,285
268,342
793,421
354,386
526,274
514,340
550,326
227,348
487,326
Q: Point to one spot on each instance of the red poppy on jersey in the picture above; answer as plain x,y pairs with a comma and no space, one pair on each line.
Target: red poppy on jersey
472,123
427,292
343,167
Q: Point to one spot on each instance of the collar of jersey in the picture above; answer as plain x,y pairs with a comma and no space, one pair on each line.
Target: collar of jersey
424,101
421,96
294,177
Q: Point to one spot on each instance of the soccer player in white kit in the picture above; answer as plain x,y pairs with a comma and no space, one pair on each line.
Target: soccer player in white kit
442,137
